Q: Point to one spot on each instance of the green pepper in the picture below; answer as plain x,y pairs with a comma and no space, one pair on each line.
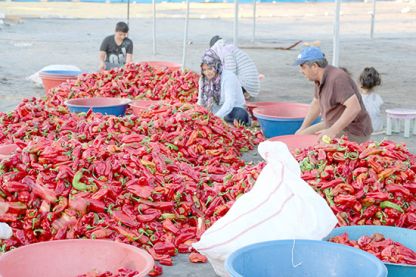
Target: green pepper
352,155
172,146
76,184
329,197
305,165
388,204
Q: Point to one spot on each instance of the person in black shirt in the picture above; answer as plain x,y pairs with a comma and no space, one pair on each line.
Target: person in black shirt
116,50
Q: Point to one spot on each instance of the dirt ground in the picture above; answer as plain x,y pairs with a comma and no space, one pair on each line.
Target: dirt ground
38,34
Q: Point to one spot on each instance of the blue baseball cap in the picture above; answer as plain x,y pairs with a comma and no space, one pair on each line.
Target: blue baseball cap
309,54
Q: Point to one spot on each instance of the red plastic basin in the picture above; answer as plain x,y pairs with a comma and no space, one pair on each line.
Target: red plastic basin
294,142
139,106
51,81
163,65
69,258
251,105
286,110
6,150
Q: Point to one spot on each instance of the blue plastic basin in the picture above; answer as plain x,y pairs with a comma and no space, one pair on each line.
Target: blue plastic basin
407,237
315,258
281,118
104,105
61,72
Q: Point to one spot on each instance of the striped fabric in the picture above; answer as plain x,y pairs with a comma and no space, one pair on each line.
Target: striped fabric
245,69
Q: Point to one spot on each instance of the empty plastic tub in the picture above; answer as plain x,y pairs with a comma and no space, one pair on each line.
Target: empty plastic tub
299,258
140,105
61,72
294,142
53,78
252,105
407,237
281,118
163,65
69,258
104,105
6,150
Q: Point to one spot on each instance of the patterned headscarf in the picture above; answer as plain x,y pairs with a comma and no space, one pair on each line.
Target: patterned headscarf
211,89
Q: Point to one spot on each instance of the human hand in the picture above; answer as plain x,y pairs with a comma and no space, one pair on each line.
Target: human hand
299,131
326,135
101,67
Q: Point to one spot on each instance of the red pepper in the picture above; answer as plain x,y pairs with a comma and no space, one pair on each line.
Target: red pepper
331,184
197,258
169,226
8,217
120,216
398,188
156,271
95,205
165,248
166,261
140,191
378,195
370,151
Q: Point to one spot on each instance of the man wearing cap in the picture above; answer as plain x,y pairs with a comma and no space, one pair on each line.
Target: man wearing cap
336,98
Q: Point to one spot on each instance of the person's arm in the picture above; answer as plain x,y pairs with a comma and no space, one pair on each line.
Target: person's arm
313,113
231,89
129,58
102,56
129,50
352,109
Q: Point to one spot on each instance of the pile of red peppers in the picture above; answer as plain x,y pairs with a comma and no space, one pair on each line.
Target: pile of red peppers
364,184
383,248
156,180
135,81
159,179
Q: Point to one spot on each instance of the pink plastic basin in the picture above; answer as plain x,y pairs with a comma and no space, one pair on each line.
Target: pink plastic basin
69,258
163,65
51,81
139,106
251,105
286,110
6,150
294,142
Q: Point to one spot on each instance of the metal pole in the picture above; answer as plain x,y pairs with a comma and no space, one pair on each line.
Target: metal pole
128,12
335,58
185,36
254,20
154,27
236,22
373,15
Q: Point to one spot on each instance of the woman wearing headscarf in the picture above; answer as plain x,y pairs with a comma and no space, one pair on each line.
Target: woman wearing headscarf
238,62
220,91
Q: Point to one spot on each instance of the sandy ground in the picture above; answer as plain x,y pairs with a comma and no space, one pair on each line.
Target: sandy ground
39,34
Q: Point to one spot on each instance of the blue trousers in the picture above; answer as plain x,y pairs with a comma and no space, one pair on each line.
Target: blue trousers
239,114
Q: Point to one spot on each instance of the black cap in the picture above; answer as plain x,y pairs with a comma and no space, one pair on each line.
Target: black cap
214,40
